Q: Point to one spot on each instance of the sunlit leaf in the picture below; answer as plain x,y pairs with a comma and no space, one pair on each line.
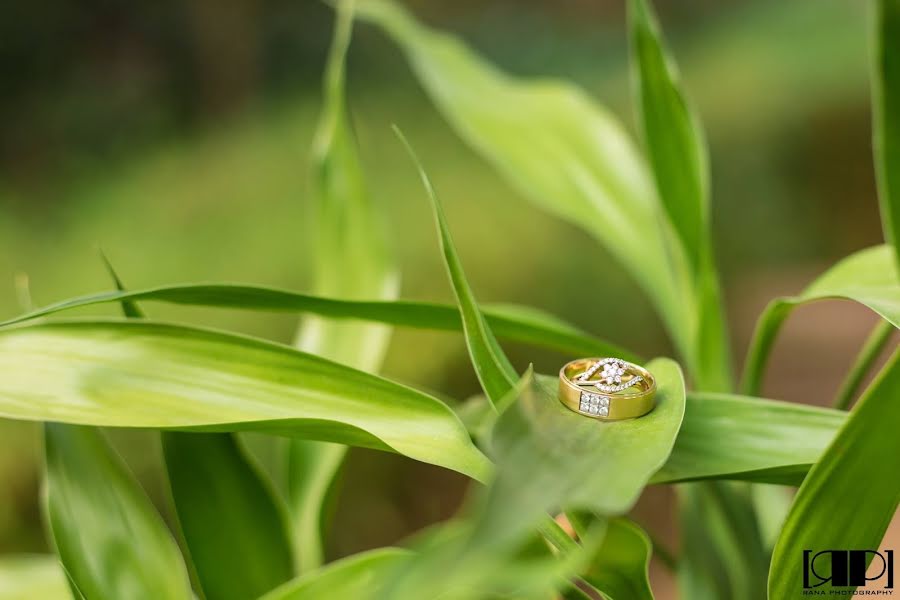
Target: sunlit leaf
351,261
108,535
829,512
144,374
677,151
32,577
868,277
562,151
549,457
496,374
513,322
672,134
356,577
234,526
752,439
886,117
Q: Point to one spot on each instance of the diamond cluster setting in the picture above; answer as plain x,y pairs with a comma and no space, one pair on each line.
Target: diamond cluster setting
594,404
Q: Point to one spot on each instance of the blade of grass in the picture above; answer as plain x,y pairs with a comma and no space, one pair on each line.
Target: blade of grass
821,518
619,569
496,374
142,374
108,535
868,277
521,324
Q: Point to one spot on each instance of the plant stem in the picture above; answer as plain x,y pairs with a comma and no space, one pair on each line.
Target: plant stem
869,353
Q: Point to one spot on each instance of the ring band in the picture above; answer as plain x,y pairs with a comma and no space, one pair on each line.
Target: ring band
610,389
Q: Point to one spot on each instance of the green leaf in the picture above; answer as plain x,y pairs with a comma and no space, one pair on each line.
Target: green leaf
563,152
145,374
673,137
513,322
351,261
111,540
722,554
829,511
496,374
886,118
32,577
868,277
752,439
354,577
678,155
550,457
233,524
620,567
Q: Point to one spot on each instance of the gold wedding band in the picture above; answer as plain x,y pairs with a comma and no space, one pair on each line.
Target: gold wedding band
610,389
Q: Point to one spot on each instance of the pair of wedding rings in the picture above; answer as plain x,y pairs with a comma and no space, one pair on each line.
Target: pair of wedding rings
610,389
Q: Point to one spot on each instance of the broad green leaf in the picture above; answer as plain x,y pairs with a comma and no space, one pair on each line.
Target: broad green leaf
620,567
672,133
517,323
829,512
868,277
32,577
235,528
752,439
563,152
886,118
145,374
678,156
549,457
351,261
356,577
111,540
496,374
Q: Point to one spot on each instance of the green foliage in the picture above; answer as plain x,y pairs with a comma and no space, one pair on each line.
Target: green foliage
100,372
821,517
110,539
32,577
214,484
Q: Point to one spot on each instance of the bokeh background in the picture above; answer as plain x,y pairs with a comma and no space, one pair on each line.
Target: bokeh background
175,135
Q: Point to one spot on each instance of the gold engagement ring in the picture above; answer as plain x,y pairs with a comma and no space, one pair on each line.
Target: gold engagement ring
610,389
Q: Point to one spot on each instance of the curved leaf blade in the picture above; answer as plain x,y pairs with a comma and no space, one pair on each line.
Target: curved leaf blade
111,540
821,518
145,374
513,322
233,524
357,576
868,277
724,436
496,374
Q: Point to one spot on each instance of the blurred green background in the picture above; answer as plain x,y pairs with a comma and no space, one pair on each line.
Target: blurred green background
175,135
